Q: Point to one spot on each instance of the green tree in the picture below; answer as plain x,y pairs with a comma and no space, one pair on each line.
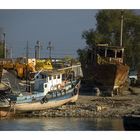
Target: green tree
108,31
82,53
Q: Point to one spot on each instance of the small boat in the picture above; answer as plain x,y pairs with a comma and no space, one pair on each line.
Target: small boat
51,89
131,122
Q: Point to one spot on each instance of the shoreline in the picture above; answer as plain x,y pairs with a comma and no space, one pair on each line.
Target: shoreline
94,107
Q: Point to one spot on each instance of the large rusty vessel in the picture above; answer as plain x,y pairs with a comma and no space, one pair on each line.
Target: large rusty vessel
105,69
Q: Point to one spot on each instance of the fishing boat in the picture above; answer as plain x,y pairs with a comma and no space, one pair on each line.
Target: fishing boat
106,69
51,89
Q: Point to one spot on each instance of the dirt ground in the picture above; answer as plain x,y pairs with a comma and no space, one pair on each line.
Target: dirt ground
116,106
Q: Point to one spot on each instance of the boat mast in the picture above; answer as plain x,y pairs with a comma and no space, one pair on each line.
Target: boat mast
121,34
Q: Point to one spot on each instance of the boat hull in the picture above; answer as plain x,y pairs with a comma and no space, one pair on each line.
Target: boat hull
106,77
14,108
42,106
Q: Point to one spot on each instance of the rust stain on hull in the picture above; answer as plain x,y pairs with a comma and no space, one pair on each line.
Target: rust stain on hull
121,75
106,76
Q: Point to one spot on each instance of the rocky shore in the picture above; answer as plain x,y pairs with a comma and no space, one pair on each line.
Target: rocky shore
95,107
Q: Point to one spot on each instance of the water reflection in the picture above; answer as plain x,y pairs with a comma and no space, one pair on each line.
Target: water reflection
58,124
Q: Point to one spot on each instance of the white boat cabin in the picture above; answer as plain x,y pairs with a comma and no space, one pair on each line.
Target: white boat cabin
45,82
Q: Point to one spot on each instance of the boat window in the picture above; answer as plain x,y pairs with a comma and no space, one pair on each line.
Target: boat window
110,53
58,76
119,54
63,76
43,76
101,52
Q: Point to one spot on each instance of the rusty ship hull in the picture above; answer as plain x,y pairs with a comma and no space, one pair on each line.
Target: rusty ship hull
107,77
105,69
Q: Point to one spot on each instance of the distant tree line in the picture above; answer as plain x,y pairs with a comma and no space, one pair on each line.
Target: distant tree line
108,32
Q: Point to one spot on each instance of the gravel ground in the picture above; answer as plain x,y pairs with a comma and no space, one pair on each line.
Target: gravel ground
92,106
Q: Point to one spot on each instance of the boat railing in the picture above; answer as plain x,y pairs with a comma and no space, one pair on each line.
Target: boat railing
106,60
61,92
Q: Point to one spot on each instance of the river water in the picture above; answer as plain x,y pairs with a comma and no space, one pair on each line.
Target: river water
61,124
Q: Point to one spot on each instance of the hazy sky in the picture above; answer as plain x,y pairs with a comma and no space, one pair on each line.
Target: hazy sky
62,27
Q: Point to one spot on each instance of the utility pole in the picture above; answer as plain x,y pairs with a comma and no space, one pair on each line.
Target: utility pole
50,48
11,52
121,32
37,50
